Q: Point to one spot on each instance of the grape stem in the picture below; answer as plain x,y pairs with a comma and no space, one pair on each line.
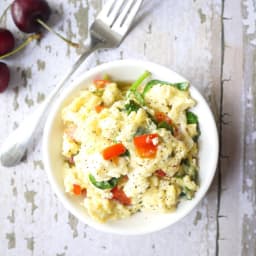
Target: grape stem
69,42
20,47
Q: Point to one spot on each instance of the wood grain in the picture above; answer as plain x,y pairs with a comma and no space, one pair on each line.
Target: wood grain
211,43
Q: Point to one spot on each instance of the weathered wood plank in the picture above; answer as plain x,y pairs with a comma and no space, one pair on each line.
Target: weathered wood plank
183,35
248,189
237,223
231,131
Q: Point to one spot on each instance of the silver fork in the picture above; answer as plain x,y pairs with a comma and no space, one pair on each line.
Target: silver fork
107,31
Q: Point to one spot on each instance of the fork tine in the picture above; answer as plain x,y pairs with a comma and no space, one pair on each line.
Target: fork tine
113,14
125,19
106,9
129,19
121,17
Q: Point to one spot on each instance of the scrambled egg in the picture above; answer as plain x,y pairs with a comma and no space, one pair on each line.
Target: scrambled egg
123,156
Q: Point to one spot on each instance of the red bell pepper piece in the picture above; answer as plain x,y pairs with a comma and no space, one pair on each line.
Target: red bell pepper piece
146,145
113,151
162,117
77,190
120,196
160,173
100,83
99,108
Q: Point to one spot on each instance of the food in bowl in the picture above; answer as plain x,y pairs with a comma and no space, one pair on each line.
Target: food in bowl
131,148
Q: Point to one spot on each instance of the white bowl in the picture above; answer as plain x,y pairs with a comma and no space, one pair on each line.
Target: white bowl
140,223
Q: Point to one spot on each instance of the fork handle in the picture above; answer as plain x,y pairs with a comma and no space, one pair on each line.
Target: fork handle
17,143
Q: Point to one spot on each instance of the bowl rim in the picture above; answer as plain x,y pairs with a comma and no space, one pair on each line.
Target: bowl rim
54,108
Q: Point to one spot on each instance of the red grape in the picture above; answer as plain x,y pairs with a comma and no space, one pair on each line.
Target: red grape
6,41
4,76
26,12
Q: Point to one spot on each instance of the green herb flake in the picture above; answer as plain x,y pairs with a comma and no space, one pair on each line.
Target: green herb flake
196,137
126,153
165,125
187,193
182,86
103,184
138,82
140,131
139,97
98,92
131,106
133,88
106,77
185,161
191,118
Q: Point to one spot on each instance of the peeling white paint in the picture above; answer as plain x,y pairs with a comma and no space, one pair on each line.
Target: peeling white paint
249,182
253,41
250,162
249,98
249,20
247,204
250,138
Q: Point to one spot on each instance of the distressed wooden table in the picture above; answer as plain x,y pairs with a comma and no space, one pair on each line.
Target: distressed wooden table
210,42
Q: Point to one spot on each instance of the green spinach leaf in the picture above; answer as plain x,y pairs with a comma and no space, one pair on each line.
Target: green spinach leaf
191,118
165,125
181,86
103,184
131,106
